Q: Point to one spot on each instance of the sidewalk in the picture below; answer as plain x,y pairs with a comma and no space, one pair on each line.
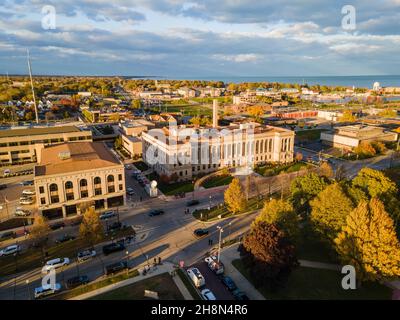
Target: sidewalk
166,267
227,256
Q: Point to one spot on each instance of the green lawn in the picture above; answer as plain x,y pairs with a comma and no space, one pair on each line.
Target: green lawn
273,170
217,181
318,284
163,284
174,188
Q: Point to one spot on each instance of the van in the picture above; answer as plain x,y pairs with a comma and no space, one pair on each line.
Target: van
7,172
196,277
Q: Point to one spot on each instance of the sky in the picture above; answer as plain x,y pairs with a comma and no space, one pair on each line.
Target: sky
174,38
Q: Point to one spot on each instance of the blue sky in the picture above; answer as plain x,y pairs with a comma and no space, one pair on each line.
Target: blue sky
201,38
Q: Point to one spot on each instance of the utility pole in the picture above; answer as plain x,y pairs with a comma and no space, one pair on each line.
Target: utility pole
33,90
219,244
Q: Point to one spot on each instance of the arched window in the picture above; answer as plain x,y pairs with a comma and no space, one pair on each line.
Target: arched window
83,183
97,180
69,185
110,178
53,187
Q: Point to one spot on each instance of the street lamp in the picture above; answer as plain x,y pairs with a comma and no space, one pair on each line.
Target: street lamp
29,291
219,243
127,260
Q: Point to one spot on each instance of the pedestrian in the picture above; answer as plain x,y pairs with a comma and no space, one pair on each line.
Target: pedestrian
211,241
159,260
141,198
155,261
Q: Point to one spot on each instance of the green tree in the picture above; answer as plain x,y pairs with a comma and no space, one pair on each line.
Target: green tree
326,170
365,150
234,197
368,242
281,213
91,229
329,210
305,188
268,255
136,104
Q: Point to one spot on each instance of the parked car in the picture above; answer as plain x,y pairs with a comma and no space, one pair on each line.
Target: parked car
199,233
58,225
26,200
28,192
6,172
229,283
65,238
192,203
77,281
206,294
114,226
10,250
107,215
130,191
27,183
214,265
116,267
196,277
3,186
19,212
55,264
8,235
113,247
85,255
47,290
128,167
156,212
239,295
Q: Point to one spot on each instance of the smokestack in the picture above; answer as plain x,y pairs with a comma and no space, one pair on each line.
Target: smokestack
215,113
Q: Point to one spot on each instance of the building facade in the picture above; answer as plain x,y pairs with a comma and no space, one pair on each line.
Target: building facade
349,137
24,145
74,176
183,152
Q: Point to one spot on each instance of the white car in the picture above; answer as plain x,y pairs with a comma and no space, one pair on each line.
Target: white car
47,290
10,250
21,212
206,294
85,255
6,172
210,259
23,200
28,192
54,264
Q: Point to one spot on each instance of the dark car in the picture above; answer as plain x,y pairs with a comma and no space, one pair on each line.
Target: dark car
77,281
192,203
8,235
228,282
199,233
156,212
3,186
116,267
58,225
113,247
65,238
114,226
239,295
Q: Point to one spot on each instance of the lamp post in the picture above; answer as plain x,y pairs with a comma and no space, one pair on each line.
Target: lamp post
219,243
29,291
127,260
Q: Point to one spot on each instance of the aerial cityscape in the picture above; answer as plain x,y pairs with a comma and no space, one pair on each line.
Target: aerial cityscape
164,150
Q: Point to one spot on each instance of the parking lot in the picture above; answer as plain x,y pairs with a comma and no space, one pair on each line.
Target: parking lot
213,282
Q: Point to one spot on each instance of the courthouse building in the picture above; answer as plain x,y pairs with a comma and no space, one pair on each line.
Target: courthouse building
72,176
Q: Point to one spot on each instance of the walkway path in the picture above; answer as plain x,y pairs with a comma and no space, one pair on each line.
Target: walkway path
227,256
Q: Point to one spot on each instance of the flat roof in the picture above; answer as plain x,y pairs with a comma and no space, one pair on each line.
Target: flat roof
37,131
75,157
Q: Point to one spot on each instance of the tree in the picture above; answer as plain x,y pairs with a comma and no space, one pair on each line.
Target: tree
365,150
91,228
329,210
268,255
118,143
368,242
347,116
255,111
340,173
325,170
136,104
305,188
234,197
388,113
281,213
40,230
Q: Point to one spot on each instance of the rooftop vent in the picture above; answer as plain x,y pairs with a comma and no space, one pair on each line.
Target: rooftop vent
64,155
